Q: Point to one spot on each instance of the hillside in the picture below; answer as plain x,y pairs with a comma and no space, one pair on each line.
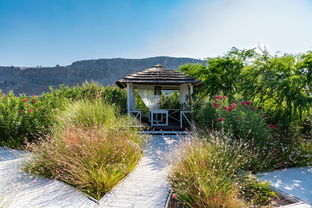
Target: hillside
34,81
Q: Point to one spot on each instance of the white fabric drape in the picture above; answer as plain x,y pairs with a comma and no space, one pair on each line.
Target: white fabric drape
148,97
184,91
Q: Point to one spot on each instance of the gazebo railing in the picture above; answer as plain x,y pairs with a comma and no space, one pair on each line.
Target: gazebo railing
184,115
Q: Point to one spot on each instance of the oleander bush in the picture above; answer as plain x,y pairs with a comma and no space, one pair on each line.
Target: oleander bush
25,118
241,119
91,148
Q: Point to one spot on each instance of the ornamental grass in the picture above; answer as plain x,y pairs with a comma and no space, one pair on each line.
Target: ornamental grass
211,172
91,148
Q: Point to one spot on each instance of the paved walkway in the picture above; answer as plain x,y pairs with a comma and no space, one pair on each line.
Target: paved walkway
296,182
21,190
147,186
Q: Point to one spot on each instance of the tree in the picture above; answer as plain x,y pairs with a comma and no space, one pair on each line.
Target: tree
221,75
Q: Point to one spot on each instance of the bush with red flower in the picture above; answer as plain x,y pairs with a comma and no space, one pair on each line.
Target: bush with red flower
30,117
242,119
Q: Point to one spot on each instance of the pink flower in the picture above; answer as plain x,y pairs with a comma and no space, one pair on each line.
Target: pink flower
217,97
246,103
35,181
229,109
174,196
272,126
233,105
215,105
220,119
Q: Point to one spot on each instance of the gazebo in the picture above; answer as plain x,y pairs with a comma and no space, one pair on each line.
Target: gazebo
149,84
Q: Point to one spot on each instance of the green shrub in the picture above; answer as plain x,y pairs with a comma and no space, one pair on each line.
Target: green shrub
26,118
170,101
258,193
244,120
109,94
91,148
280,82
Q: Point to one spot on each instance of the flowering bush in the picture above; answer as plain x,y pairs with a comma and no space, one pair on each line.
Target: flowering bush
28,118
245,120
242,119
25,118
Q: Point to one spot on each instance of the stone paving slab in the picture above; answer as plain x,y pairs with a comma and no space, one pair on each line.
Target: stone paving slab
298,205
296,182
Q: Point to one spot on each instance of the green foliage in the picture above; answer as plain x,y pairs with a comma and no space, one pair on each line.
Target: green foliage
85,113
256,192
109,94
241,119
90,148
281,83
29,118
26,118
221,75
170,101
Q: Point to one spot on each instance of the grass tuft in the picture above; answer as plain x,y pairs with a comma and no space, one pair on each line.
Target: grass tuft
91,148
210,172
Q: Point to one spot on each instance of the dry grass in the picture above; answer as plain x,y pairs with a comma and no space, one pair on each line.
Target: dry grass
212,172
205,174
90,150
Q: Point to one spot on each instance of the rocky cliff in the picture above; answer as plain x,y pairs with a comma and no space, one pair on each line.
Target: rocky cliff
33,81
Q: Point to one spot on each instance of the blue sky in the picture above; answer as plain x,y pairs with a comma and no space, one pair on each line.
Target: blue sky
50,32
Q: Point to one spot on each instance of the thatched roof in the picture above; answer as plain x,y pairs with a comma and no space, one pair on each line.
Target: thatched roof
157,75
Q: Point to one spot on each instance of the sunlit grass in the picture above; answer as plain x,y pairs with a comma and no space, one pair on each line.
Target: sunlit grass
91,148
210,172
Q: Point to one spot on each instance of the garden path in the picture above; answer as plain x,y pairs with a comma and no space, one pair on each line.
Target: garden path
21,190
147,185
296,182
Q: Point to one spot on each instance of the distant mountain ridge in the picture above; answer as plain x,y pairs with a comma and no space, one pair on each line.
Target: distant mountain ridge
35,80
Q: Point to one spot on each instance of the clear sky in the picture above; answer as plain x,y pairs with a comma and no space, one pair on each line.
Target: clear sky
50,32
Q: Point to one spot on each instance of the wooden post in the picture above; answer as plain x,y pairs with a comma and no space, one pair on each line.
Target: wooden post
128,98
191,103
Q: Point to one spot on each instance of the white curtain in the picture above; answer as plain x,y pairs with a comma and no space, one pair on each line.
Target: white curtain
148,97
183,93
